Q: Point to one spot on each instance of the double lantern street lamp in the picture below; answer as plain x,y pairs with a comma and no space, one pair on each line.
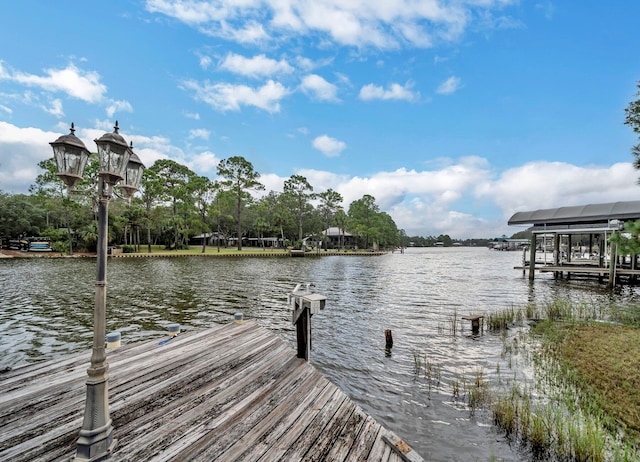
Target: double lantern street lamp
120,166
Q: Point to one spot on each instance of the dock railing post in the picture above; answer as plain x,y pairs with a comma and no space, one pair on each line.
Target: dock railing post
304,303
612,265
532,257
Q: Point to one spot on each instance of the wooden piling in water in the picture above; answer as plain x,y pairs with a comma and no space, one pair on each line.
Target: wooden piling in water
388,338
476,320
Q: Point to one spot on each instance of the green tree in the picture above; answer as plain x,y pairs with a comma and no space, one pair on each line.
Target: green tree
47,183
300,192
628,244
78,205
388,233
633,120
445,239
134,216
362,214
330,201
202,191
171,179
222,211
150,193
89,235
341,220
21,215
278,213
403,238
526,234
239,177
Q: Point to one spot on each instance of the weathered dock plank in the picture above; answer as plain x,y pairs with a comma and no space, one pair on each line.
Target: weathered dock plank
230,393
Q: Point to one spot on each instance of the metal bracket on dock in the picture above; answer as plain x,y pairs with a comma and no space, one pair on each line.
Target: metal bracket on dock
402,449
304,303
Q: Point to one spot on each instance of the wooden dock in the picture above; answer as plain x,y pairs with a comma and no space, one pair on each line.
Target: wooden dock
583,269
231,392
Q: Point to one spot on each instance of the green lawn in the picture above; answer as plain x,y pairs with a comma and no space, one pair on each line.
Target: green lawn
213,250
607,358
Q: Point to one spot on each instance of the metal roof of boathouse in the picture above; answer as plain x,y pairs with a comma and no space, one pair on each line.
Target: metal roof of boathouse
590,213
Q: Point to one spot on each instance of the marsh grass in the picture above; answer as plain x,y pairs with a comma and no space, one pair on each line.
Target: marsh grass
589,374
477,391
432,372
583,403
558,310
417,361
550,432
453,323
455,386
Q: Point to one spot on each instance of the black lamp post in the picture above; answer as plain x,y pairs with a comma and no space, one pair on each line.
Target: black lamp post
96,440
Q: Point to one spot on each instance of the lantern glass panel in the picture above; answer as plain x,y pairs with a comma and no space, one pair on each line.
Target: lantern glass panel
133,174
113,158
70,160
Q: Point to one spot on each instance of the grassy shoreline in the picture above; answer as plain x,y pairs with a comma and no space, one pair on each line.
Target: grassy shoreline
585,402
194,251
605,361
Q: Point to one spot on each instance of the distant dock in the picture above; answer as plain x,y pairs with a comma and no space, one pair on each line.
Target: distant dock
231,392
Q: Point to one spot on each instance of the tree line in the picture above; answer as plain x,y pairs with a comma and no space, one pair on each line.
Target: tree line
174,205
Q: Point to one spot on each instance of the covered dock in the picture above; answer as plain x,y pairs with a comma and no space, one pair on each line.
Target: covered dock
574,240
231,392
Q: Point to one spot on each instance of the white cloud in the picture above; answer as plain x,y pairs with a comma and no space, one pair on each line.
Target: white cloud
528,187
330,147
319,89
449,86
343,79
305,64
6,109
376,23
55,108
444,200
252,32
75,82
192,115
303,130
440,59
446,197
205,162
27,146
548,9
258,66
227,97
118,106
205,62
394,92
31,145
199,133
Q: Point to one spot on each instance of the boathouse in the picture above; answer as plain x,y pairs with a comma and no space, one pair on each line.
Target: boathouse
575,241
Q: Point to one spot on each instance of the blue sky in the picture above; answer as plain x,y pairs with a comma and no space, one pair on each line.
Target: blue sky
453,114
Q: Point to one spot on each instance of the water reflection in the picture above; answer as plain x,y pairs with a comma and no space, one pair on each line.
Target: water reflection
46,310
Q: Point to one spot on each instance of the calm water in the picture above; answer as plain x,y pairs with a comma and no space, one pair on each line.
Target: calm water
46,309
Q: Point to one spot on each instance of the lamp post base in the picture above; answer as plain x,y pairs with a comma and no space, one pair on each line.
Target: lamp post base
95,441
100,447
101,450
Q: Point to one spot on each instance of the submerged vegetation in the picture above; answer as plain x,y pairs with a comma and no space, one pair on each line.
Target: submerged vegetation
582,402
